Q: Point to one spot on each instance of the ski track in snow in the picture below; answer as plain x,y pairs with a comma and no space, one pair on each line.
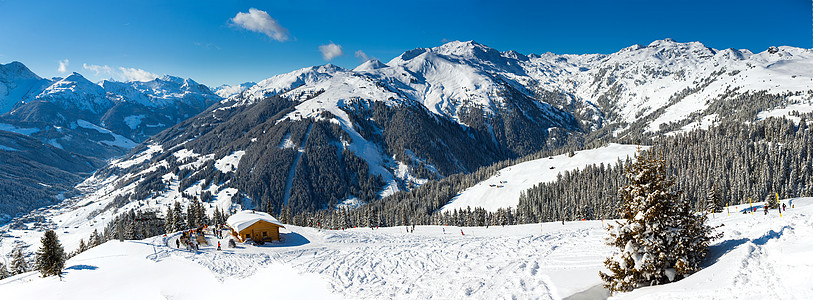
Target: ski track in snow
365,264
759,257
289,182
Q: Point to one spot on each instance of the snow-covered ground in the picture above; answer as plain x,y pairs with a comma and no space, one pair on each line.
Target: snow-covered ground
502,190
759,257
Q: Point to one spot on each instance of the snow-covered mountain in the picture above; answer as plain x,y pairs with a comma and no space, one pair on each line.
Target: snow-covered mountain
79,124
324,136
227,91
17,82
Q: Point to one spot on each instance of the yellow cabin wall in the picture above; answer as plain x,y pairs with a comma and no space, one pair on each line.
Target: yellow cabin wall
256,231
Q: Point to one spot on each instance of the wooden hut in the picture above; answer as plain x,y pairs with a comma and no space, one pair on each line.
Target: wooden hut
258,226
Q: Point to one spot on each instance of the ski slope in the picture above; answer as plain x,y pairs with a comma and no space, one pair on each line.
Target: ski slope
759,257
502,190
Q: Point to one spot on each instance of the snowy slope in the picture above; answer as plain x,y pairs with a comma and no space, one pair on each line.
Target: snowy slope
17,83
76,92
148,270
502,190
759,257
226,91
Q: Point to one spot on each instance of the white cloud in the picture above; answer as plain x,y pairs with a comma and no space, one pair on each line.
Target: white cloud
331,51
362,56
63,66
99,70
121,73
259,21
133,74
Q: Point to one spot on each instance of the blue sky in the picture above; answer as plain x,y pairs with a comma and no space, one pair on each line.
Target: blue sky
209,42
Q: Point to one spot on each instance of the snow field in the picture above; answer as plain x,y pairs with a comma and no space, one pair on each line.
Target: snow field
502,190
759,257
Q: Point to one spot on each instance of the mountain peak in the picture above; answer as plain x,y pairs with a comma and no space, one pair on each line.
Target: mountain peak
667,42
16,69
468,49
372,64
328,68
76,77
170,78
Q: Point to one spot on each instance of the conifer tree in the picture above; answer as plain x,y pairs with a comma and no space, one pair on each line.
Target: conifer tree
119,230
4,273
770,201
82,246
169,221
50,256
713,202
661,239
179,217
18,263
95,239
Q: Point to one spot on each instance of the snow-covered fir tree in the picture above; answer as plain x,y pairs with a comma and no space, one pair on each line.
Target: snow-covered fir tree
713,201
120,231
4,273
82,246
661,239
50,256
771,202
18,263
95,239
180,224
169,221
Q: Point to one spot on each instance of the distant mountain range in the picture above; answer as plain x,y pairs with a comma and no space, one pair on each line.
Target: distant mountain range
324,136
56,132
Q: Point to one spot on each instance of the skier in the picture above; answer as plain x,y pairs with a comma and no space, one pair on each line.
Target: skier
218,245
444,230
177,243
461,232
783,206
766,209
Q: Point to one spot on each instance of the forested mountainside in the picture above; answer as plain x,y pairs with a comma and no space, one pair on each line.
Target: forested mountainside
730,163
326,137
58,131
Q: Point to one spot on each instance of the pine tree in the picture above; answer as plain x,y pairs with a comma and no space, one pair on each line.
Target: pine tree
192,213
284,215
82,246
50,256
770,201
713,202
18,263
179,217
217,217
119,230
95,239
169,221
4,273
661,239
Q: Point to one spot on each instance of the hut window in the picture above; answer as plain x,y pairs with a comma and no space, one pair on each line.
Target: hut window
247,235
265,234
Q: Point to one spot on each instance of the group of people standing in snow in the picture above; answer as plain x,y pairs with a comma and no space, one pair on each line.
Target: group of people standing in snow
189,238
783,208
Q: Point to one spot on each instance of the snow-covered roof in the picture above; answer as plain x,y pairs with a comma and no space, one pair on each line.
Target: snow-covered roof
246,218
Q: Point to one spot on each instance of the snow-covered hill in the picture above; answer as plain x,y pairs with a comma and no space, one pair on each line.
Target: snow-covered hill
71,126
760,256
226,91
502,190
18,82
